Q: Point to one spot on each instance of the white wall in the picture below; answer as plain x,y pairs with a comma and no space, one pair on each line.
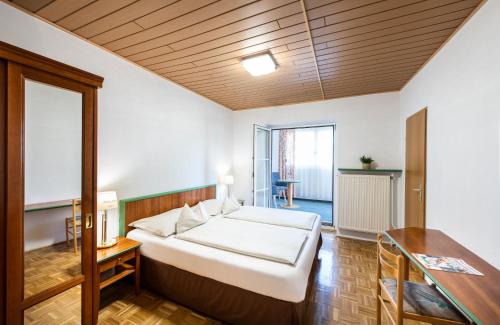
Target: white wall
154,135
52,144
461,88
364,125
45,227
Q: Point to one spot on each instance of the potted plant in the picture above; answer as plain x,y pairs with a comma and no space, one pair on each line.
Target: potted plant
366,161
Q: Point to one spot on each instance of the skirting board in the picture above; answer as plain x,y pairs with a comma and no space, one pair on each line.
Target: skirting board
328,228
356,235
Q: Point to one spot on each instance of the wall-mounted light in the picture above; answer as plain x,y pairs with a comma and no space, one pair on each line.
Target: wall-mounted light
260,64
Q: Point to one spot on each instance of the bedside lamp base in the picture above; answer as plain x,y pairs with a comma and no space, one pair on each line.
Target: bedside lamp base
106,244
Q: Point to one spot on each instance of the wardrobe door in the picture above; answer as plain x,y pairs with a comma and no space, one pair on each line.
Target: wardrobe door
50,199
3,175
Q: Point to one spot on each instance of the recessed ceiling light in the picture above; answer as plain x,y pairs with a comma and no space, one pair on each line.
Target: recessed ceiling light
259,65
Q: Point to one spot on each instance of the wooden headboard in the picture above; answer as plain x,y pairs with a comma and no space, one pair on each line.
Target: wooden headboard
133,209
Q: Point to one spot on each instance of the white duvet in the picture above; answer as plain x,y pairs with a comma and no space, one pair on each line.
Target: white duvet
270,242
279,217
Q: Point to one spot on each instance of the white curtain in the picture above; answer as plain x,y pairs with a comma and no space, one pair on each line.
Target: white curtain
314,163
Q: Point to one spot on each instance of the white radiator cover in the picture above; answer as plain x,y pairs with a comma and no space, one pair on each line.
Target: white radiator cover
364,203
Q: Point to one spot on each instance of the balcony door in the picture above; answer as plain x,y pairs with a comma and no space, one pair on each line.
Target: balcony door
261,166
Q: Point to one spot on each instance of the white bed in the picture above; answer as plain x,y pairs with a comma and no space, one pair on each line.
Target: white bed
280,217
277,280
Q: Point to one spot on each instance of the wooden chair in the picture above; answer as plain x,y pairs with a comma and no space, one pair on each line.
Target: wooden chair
409,300
73,223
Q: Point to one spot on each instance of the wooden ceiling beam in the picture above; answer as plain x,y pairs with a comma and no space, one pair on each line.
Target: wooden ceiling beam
308,27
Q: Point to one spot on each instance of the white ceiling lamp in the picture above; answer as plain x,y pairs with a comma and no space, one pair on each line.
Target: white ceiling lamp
260,64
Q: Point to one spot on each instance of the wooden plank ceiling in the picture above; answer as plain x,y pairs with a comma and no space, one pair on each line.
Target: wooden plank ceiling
360,46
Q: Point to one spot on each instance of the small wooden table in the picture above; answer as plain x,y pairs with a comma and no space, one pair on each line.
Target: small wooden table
116,257
290,183
477,296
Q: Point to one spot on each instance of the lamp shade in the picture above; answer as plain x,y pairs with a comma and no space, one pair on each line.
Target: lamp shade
107,200
229,179
225,179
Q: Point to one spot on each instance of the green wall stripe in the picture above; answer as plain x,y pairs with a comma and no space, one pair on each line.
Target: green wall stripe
121,219
122,203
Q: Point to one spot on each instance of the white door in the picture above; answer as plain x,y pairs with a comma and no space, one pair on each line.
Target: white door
261,166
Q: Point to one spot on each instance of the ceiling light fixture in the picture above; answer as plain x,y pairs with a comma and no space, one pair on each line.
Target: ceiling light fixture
258,65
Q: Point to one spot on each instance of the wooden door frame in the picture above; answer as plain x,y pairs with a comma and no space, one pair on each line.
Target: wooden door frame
15,65
306,126
268,176
3,191
424,180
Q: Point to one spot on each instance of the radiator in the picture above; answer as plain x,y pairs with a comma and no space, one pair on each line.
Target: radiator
364,203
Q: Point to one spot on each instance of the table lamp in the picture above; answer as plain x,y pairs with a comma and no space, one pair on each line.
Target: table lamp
106,201
226,180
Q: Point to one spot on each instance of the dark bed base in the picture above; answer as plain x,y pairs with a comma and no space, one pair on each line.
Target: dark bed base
222,301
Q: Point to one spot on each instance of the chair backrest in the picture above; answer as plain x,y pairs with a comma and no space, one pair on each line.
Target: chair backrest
275,176
77,207
392,264
387,260
274,179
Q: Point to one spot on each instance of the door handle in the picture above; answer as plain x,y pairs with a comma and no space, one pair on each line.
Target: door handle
89,221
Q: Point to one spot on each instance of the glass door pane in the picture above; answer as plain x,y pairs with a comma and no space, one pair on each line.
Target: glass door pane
262,166
52,187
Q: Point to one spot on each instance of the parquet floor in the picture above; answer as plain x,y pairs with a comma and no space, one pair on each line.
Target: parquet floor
49,266
344,293
345,283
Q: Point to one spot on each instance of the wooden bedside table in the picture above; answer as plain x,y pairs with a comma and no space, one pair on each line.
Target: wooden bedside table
117,257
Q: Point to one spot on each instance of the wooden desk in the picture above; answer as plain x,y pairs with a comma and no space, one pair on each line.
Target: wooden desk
48,205
477,296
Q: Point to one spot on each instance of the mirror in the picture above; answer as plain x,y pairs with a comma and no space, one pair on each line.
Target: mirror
64,308
52,186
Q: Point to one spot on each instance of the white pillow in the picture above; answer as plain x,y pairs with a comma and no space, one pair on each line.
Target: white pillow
201,209
214,206
190,218
160,225
230,205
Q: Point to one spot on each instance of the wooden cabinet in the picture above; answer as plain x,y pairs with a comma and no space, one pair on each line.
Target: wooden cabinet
20,70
